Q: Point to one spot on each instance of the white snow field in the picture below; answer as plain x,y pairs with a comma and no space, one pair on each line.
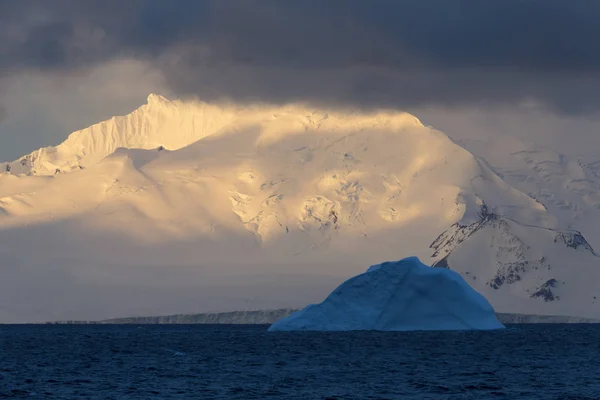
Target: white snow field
191,207
404,295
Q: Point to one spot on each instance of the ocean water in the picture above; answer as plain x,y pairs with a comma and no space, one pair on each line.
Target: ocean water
246,362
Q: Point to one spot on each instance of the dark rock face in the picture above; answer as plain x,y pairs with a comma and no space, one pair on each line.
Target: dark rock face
573,240
545,291
507,273
443,263
333,217
485,215
450,239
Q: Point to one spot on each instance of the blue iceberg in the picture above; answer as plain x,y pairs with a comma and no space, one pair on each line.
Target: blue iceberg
404,295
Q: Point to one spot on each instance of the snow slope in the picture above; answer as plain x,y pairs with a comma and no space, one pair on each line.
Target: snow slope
404,295
185,207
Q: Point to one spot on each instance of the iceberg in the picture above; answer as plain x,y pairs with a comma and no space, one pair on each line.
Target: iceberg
404,295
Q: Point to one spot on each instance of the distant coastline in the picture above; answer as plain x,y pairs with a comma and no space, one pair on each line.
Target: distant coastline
267,317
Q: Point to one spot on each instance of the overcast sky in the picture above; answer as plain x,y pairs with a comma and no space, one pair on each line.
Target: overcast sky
65,64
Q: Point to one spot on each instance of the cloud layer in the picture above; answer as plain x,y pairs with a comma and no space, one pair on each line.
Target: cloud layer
369,53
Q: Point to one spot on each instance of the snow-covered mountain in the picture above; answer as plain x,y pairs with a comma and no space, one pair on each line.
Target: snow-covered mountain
186,207
527,264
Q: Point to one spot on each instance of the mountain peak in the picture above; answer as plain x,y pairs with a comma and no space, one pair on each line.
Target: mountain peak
156,99
174,124
159,123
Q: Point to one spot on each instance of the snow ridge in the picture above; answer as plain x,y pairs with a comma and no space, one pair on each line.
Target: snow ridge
170,124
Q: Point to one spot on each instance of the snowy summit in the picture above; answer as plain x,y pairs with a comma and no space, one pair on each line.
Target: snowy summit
404,295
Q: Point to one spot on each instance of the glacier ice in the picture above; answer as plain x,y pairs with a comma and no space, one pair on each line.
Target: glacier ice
403,295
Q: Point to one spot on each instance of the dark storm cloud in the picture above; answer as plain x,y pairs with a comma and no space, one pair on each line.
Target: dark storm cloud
376,52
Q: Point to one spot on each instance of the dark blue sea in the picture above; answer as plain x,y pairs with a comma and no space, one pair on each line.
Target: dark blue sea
246,362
